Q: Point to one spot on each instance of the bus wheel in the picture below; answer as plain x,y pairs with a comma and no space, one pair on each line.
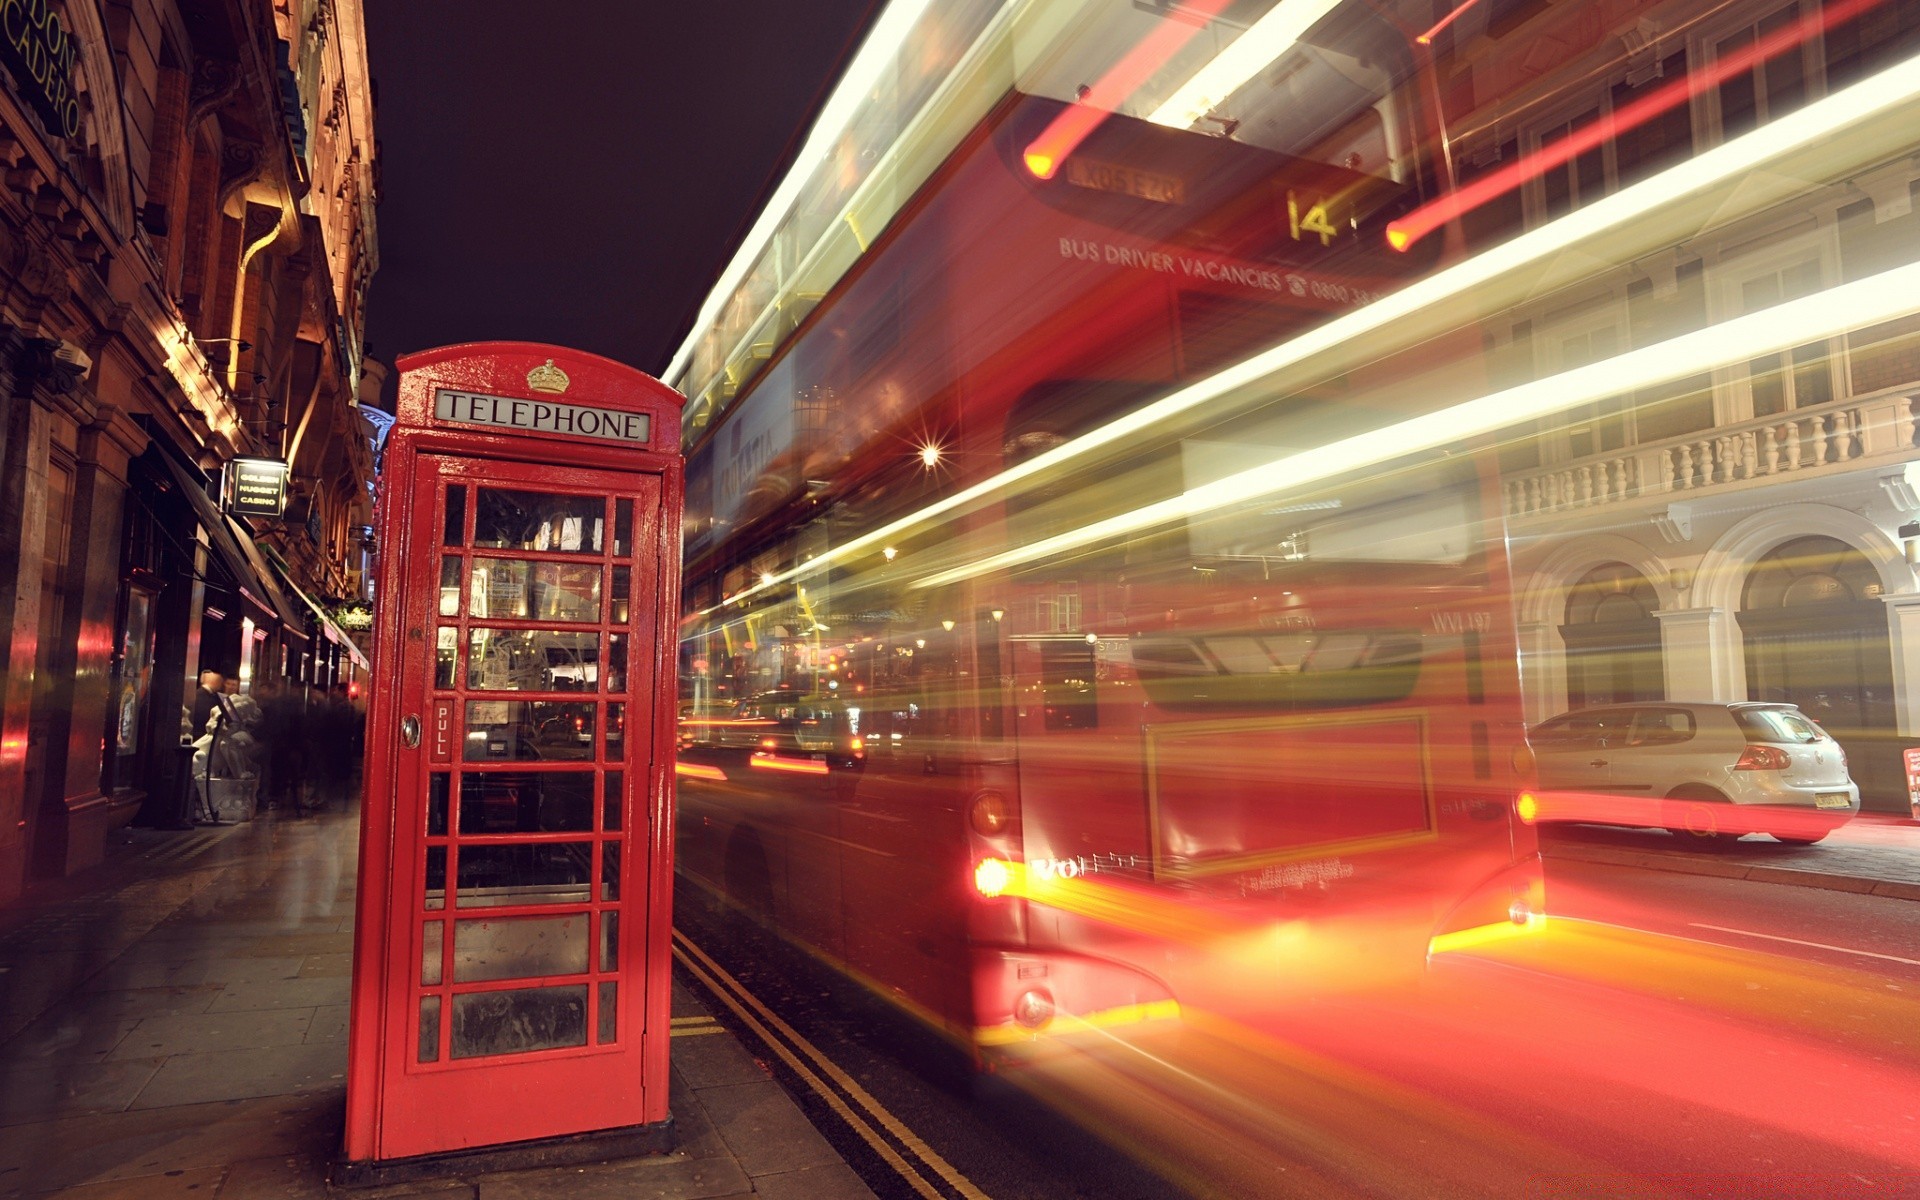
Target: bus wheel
1693,816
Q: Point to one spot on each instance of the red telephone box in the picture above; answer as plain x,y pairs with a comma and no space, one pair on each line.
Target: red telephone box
510,976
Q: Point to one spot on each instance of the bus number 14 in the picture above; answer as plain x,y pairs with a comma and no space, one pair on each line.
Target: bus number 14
1314,219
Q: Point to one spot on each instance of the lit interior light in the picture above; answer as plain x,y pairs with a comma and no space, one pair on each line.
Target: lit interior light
929,455
766,579
946,623
1244,57
890,553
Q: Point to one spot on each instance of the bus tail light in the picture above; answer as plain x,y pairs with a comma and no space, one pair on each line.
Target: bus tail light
989,813
992,876
1526,806
1763,758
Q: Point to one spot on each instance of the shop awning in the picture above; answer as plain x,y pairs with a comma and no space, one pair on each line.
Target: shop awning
237,549
329,628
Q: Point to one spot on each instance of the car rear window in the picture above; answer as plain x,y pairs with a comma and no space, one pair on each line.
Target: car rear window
1776,725
1661,727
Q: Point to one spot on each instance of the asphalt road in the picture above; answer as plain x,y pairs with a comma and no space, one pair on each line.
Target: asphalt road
1664,1035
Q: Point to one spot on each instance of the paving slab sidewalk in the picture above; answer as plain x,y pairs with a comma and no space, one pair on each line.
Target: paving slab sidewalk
179,1030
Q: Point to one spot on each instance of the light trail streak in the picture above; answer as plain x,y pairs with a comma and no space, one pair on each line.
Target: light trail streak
1799,132
1865,302
1774,937
1409,229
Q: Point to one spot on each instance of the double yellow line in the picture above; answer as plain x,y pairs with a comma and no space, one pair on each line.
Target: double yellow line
924,1170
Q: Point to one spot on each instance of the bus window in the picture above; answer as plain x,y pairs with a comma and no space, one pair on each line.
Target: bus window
1066,676
1267,672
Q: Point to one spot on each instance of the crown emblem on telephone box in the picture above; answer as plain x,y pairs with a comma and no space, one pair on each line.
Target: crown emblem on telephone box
548,378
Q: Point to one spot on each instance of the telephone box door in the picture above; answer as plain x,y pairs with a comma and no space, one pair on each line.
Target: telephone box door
530,607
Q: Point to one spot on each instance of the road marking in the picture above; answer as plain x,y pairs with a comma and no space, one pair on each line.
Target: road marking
1772,937
695,1026
789,1045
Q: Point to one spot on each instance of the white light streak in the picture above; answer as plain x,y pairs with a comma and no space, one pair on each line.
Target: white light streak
1246,56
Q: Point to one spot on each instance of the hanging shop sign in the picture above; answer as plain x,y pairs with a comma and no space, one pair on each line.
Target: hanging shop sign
40,55
354,616
256,487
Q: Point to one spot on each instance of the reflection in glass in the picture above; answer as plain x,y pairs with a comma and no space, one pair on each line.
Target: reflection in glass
609,1013
622,588
526,802
436,877
446,656
544,873
449,585
437,788
519,948
533,660
616,672
519,1021
622,527
432,934
616,739
522,590
429,1029
610,870
612,799
456,515
529,730
515,520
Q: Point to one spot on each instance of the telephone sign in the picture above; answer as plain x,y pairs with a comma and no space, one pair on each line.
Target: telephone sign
510,990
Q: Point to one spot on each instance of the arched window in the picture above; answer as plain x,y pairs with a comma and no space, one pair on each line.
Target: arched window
1815,635
1612,638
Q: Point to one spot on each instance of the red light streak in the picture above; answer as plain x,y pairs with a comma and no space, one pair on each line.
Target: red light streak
799,766
1429,217
1426,39
1045,153
699,771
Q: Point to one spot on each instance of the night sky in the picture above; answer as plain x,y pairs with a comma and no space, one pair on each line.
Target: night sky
580,172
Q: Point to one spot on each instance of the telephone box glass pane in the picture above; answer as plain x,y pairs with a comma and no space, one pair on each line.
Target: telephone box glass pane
514,520
519,1021
543,873
613,791
529,731
616,672
622,527
610,870
526,802
456,525
533,660
436,877
430,1029
610,941
609,1012
622,590
616,738
521,590
449,586
519,948
431,936
437,804
446,658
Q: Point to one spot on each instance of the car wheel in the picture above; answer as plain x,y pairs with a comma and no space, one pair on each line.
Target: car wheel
1800,839
1693,817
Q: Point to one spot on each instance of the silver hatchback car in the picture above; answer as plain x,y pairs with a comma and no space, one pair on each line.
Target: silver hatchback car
1708,771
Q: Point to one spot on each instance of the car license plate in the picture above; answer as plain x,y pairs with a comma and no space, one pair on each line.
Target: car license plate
1832,800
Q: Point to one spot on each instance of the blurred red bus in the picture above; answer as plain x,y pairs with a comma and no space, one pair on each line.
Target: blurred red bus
1026,765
